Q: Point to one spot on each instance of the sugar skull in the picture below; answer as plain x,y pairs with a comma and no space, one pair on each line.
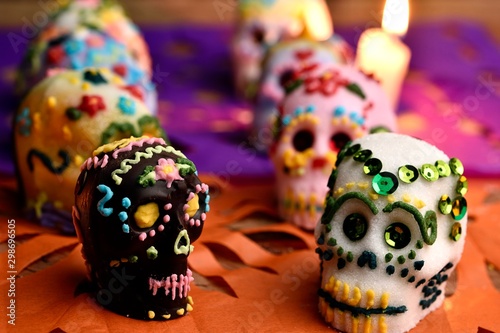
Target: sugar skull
83,48
58,125
287,62
318,116
139,206
264,23
392,232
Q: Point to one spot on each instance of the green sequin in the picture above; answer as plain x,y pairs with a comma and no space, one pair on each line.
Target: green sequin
408,173
372,166
397,235
462,186
385,183
443,168
362,155
456,166
355,226
429,172
459,208
445,204
352,149
456,231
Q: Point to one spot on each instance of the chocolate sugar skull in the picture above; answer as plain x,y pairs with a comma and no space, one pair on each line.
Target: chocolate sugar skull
264,23
317,118
139,206
58,126
287,62
392,232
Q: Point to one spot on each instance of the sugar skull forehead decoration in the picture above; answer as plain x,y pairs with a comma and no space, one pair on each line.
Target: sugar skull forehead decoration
139,207
392,231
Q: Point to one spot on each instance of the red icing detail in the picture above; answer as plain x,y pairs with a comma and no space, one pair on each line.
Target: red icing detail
303,54
91,104
327,84
319,163
135,91
55,55
120,69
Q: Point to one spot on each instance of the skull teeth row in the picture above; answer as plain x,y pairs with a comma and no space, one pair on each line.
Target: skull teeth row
176,285
300,203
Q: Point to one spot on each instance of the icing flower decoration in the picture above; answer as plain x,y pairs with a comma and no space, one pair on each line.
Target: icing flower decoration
91,104
24,121
126,105
166,170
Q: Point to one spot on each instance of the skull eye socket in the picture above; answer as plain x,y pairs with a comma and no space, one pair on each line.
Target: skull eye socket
397,235
355,226
338,141
303,140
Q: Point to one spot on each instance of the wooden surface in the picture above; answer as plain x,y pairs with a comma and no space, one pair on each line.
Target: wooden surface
362,13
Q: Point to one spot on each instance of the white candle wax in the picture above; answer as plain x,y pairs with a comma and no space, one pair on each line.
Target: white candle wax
386,57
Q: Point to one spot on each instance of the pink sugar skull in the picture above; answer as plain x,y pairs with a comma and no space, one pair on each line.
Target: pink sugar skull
317,118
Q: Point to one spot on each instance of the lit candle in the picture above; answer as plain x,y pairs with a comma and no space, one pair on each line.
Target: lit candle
317,21
381,52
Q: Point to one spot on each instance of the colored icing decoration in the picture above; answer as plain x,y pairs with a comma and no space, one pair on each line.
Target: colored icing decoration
182,249
23,120
126,105
152,253
108,194
193,205
92,104
94,77
73,113
167,170
47,162
146,215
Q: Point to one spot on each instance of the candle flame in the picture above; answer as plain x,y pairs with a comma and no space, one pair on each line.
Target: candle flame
317,21
396,17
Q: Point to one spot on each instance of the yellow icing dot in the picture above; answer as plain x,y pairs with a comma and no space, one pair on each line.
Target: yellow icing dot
363,186
78,160
73,80
391,198
146,215
58,204
151,314
51,102
85,86
67,134
373,195
406,198
356,297
189,308
350,185
166,316
384,300
117,80
419,204
370,298
190,300
180,312
339,191
37,121
194,205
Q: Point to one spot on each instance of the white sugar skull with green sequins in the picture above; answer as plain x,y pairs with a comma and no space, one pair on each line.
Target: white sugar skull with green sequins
392,232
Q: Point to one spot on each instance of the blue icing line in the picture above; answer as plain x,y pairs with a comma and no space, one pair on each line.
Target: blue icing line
310,109
125,228
108,195
298,111
126,202
123,216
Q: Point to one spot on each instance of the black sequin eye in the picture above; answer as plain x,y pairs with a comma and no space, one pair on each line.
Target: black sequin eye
355,226
397,235
338,141
303,140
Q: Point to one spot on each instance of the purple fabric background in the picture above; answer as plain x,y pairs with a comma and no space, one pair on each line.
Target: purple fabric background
451,97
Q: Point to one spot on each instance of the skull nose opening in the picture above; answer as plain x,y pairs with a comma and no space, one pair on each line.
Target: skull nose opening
319,163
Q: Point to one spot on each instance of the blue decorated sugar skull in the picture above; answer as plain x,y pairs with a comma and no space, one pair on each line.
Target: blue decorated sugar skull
392,232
